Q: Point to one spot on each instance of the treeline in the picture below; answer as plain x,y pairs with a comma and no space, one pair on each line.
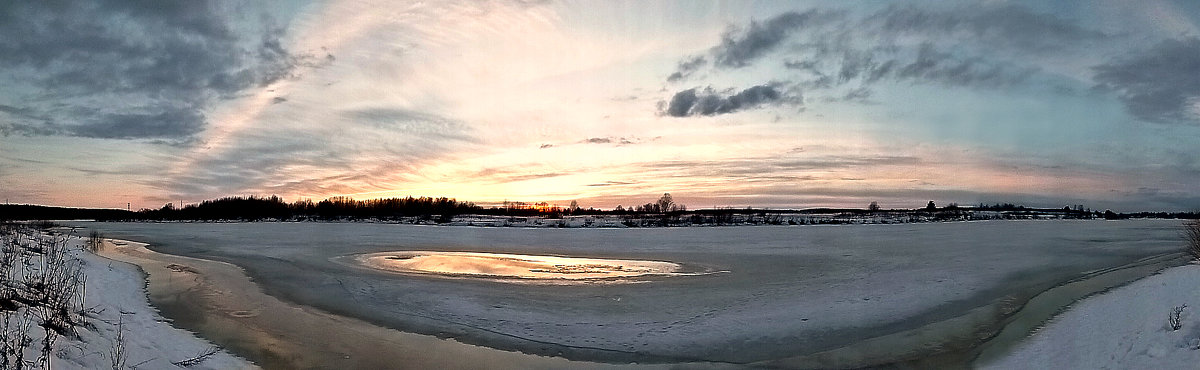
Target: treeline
254,208
442,209
1176,215
27,212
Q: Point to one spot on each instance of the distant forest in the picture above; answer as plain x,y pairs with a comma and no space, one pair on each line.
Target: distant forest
440,210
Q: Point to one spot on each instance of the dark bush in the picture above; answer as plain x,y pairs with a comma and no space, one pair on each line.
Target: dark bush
1191,234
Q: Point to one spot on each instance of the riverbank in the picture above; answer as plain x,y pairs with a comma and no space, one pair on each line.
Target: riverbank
1125,328
120,316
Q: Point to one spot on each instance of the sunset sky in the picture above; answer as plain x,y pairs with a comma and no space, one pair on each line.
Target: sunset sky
776,104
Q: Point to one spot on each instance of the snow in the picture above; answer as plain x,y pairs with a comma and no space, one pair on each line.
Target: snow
1126,328
115,293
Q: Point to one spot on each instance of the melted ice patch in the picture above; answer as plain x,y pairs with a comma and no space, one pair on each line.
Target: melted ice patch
515,266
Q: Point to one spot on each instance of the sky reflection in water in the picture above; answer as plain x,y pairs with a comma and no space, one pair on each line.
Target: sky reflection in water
514,266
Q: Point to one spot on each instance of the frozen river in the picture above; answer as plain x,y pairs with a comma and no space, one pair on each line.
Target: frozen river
783,291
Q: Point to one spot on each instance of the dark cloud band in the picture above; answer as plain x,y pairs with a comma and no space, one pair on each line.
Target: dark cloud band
134,70
706,102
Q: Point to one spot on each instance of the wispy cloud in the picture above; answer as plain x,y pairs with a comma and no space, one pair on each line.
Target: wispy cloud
835,55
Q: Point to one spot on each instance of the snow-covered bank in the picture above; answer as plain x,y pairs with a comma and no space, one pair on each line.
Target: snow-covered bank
116,302
1126,328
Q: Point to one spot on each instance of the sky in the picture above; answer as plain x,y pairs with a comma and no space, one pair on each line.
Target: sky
722,104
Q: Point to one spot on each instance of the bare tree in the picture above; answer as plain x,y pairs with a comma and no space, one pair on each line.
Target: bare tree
873,207
665,203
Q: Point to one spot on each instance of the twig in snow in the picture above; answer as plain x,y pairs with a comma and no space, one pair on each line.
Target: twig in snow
199,358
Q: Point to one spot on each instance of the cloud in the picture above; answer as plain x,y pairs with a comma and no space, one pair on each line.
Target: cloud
168,123
610,183
709,103
686,67
15,111
29,129
860,95
355,151
681,103
411,123
837,56
501,175
931,65
119,60
1159,85
24,121
1007,26
616,141
741,46
740,168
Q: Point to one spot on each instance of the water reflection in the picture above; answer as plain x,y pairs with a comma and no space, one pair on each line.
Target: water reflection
514,266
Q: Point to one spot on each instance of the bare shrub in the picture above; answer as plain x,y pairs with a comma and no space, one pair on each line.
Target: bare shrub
1173,317
117,354
41,286
1191,234
10,254
94,241
15,338
56,287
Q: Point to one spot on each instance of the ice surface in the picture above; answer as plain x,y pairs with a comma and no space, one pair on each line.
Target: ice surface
789,290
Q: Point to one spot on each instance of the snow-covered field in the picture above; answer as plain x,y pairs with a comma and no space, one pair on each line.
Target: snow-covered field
789,291
1126,328
116,303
